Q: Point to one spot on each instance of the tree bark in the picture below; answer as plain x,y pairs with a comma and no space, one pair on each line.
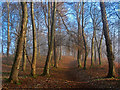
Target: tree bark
49,24
99,49
50,49
8,32
38,41
24,55
92,48
95,56
84,39
110,54
33,70
55,56
93,53
60,53
15,67
79,59
79,33
55,51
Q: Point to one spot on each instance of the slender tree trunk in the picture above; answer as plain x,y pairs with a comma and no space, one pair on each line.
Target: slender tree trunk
55,51
24,55
33,70
49,24
110,54
55,55
83,35
79,59
79,34
60,56
95,56
8,32
15,67
92,51
38,42
50,50
99,49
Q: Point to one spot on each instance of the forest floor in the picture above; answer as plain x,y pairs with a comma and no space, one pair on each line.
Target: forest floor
67,75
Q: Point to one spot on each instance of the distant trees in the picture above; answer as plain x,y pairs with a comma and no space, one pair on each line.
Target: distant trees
110,54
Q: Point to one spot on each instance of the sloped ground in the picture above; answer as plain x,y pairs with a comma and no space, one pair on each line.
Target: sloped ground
67,75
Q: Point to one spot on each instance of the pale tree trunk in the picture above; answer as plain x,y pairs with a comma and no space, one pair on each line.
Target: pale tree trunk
99,49
84,39
33,70
93,53
50,49
49,27
8,32
79,59
60,53
15,67
92,48
55,51
24,55
110,54
38,41
55,55
79,34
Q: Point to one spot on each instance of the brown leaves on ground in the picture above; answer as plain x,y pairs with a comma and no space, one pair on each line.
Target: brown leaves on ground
67,75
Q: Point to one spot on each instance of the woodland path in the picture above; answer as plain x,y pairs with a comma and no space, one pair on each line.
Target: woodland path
67,75
71,71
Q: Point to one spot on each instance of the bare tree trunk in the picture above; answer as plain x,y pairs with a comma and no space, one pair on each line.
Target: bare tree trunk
95,56
79,34
38,42
55,56
50,50
110,54
24,55
99,49
93,53
33,70
79,59
60,53
60,57
55,51
84,39
8,32
15,67
49,24
92,49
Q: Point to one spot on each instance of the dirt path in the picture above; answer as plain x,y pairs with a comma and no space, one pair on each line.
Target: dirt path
69,68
